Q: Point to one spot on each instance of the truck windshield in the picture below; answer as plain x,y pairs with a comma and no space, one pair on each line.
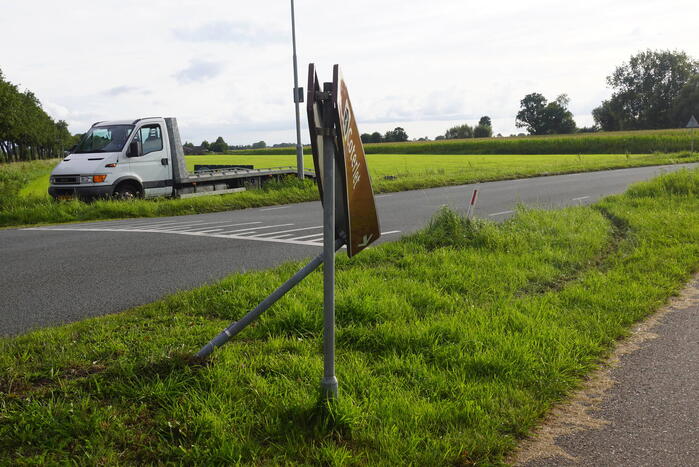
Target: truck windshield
104,139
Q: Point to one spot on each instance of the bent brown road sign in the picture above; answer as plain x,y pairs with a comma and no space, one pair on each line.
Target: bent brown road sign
363,222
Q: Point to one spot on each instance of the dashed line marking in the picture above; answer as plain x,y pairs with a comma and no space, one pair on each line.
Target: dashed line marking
501,213
580,198
274,209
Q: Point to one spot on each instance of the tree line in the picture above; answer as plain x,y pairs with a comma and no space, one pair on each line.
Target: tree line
220,146
655,89
27,132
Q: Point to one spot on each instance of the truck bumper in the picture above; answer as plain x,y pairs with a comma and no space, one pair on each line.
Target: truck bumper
81,192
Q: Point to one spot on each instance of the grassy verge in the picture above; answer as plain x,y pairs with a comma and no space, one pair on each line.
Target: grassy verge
452,344
28,203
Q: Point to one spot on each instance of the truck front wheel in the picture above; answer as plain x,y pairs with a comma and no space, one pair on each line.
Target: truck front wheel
127,190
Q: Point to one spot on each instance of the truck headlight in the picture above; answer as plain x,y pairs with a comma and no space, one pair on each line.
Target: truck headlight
92,178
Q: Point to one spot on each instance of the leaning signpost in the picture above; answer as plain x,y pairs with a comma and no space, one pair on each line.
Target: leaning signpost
349,211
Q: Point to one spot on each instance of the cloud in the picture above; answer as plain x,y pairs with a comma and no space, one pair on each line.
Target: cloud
198,71
231,32
118,90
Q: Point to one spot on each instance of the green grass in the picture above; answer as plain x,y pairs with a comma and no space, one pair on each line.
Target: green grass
452,344
398,172
27,203
624,142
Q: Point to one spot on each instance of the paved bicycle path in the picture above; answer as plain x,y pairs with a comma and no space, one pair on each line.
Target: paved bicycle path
640,410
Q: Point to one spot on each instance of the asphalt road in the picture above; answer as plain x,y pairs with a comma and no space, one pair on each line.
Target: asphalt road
644,409
59,274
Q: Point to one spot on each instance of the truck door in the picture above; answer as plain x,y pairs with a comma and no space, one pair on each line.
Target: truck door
154,165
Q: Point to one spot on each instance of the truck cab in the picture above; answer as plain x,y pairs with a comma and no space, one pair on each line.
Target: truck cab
124,159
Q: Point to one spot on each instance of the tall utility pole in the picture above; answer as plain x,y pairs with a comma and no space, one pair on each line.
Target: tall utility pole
297,99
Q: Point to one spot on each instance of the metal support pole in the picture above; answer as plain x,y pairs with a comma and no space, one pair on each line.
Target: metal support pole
299,147
329,382
238,326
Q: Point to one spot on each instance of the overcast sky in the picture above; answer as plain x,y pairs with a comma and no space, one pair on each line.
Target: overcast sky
224,67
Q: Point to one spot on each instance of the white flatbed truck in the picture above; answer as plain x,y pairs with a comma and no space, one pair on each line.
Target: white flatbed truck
144,158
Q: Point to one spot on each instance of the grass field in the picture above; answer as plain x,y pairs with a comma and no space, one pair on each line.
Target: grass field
412,171
618,142
452,344
25,200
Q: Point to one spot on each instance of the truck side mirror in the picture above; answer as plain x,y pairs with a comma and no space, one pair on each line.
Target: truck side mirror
135,149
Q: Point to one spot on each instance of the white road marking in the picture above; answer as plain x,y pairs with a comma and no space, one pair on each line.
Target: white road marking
500,213
273,209
294,230
256,228
384,195
240,234
206,228
176,232
580,198
176,224
309,236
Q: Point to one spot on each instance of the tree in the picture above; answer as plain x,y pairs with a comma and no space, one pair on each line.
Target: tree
483,131
531,116
559,118
398,135
376,137
645,90
459,132
219,145
608,116
259,145
686,103
365,137
485,121
27,132
205,145
541,117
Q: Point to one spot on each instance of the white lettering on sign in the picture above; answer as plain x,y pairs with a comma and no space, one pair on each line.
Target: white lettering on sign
351,147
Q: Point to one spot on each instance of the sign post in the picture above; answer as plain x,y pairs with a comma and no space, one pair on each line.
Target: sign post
329,382
345,188
298,97
349,211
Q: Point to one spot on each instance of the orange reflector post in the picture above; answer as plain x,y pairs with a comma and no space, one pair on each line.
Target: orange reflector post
98,178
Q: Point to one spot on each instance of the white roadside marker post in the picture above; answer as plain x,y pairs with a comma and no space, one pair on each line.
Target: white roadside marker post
472,204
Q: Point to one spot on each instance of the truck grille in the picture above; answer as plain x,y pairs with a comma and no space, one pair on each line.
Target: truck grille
66,180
